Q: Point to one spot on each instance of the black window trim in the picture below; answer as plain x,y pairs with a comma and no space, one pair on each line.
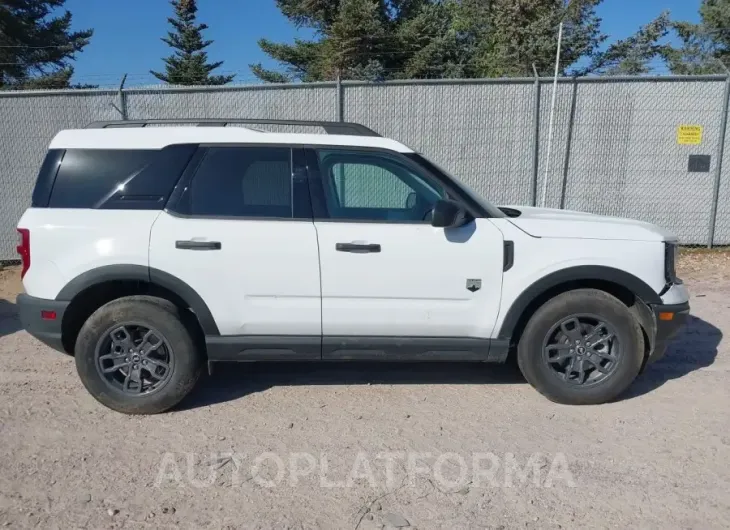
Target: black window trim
319,205
310,169
175,205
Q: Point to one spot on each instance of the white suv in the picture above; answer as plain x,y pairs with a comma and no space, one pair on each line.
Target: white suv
149,251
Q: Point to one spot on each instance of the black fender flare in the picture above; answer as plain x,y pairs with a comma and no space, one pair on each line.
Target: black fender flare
637,286
143,274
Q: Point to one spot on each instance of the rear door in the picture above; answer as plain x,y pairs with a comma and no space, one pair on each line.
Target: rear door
238,230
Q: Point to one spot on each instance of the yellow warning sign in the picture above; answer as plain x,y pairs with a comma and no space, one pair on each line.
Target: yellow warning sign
689,134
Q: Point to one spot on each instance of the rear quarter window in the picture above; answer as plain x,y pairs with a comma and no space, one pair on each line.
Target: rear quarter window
86,178
46,178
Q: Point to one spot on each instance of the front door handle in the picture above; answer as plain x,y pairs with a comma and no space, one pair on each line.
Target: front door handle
357,248
198,245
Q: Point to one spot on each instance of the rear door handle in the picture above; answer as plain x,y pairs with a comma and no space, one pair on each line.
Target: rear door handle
198,245
357,248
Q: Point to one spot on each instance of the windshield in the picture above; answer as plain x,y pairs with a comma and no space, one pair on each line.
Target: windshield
471,195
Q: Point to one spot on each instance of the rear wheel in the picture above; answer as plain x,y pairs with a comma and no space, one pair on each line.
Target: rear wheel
581,347
135,356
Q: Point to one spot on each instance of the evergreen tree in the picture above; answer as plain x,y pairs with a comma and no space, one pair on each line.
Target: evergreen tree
387,39
633,55
523,33
37,45
442,40
705,47
188,65
351,46
357,39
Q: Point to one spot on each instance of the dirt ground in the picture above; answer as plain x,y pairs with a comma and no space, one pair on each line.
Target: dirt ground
368,446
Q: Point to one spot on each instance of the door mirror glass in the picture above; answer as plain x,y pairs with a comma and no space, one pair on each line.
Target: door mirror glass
447,214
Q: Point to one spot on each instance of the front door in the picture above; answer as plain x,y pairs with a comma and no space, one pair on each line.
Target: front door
387,274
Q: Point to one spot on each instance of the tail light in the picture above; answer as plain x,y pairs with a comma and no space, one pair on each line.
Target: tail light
24,250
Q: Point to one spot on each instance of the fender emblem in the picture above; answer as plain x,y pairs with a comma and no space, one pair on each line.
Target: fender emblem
473,284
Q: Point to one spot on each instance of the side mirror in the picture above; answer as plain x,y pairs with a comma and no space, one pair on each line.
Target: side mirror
447,214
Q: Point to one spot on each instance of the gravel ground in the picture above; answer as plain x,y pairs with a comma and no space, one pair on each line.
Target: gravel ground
368,446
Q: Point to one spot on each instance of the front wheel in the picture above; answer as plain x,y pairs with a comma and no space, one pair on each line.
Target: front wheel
134,355
582,347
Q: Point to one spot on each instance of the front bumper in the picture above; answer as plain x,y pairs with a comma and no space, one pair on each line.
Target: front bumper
675,294
42,319
668,320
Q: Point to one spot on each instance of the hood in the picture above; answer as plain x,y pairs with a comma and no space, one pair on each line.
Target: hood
549,222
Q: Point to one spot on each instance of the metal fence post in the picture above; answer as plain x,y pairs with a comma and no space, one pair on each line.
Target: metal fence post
718,164
338,101
123,98
535,138
569,143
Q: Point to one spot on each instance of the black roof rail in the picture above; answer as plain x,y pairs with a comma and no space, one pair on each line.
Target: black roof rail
330,127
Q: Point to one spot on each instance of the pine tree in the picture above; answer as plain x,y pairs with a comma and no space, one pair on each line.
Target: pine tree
188,65
705,47
390,39
524,33
37,45
357,39
353,43
633,55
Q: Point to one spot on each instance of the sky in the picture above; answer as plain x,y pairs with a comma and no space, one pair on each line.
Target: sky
127,34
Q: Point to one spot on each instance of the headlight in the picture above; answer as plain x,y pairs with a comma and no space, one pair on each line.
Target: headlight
670,258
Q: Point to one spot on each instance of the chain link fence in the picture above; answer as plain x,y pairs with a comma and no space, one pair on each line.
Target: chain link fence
615,148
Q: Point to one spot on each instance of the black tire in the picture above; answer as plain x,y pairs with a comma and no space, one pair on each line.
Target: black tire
613,378
184,357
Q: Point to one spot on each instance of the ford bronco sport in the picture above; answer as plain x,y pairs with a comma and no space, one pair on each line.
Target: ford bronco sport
150,251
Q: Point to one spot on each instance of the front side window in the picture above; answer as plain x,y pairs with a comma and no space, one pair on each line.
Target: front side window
242,182
374,186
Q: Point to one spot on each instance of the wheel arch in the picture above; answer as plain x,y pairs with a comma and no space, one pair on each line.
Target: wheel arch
621,284
94,288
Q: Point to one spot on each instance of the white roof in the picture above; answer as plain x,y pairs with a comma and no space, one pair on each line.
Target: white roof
159,137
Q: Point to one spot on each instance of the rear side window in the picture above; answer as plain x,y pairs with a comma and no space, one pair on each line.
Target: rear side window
242,182
46,178
89,177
